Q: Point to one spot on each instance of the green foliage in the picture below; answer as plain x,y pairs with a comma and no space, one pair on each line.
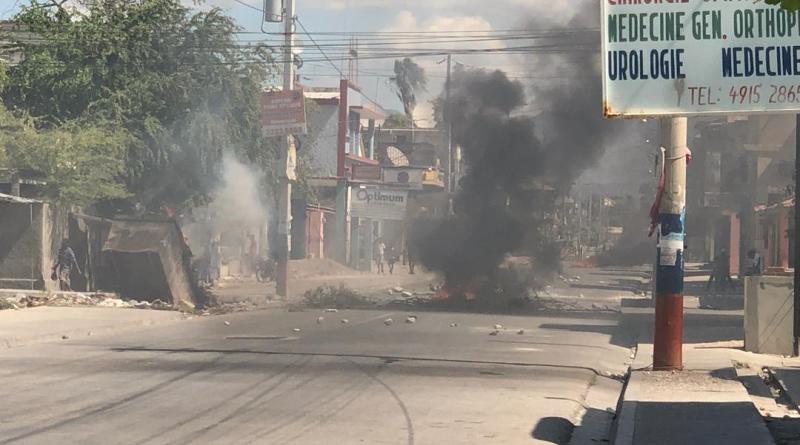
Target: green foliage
176,80
409,79
3,76
79,163
397,120
791,5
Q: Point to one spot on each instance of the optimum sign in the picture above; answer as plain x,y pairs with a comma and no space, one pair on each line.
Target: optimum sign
378,204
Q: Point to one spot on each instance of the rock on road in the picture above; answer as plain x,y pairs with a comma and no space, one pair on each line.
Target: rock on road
275,377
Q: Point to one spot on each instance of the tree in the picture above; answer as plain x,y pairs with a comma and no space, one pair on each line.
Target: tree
397,120
177,81
80,164
409,79
791,5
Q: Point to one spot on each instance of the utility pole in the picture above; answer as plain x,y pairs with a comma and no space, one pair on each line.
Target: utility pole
668,343
285,187
447,118
796,235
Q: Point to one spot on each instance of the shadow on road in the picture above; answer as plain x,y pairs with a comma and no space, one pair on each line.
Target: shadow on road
556,430
785,431
668,423
385,358
637,326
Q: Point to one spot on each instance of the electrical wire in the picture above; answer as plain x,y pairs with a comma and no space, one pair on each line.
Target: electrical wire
249,5
318,47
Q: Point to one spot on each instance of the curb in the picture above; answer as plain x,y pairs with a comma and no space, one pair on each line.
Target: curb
783,388
595,423
111,328
624,425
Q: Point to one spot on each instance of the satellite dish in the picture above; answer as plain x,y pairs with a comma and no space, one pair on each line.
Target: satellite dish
396,156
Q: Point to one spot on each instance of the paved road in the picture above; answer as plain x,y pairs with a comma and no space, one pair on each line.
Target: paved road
256,380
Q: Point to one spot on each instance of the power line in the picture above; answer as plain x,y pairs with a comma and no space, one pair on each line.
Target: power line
249,5
451,31
318,47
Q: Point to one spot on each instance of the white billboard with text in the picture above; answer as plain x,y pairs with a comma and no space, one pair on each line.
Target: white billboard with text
684,57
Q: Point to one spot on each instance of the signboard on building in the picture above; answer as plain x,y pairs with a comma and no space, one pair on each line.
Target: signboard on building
283,113
408,177
699,57
378,203
366,172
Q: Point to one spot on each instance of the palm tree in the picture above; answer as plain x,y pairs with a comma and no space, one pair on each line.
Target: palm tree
409,79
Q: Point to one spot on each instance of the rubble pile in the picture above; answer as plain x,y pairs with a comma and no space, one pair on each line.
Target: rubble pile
402,297
67,299
333,297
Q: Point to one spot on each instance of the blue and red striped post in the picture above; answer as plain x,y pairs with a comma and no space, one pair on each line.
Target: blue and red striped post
668,342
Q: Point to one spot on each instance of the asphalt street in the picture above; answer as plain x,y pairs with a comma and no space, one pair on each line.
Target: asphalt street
279,377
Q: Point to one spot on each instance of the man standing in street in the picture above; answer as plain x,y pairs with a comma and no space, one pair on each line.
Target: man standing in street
754,268
62,269
380,254
720,272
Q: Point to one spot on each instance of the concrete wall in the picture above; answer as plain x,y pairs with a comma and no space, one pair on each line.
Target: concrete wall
321,145
768,314
21,241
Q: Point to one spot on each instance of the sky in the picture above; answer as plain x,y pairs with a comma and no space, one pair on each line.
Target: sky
358,16
452,17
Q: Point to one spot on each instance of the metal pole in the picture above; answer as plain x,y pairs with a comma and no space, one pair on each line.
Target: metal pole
285,187
450,169
796,234
668,343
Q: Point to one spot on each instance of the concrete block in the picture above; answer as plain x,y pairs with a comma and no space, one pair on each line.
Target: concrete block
768,314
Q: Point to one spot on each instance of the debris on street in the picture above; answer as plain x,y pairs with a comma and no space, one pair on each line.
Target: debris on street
67,299
335,297
344,321
320,320
388,322
411,319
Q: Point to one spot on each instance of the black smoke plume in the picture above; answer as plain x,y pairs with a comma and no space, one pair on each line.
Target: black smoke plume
494,210
512,177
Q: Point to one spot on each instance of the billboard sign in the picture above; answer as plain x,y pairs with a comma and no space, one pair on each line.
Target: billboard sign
366,172
377,203
689,57
283,113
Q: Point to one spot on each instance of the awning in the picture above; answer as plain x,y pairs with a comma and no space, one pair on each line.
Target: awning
138,236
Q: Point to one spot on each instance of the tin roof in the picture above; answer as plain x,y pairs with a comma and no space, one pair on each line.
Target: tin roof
17,199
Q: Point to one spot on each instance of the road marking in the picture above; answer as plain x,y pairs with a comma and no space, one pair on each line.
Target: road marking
259,337
377,317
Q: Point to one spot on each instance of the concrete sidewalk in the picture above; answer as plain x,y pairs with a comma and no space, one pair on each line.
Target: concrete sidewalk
44,324
705,404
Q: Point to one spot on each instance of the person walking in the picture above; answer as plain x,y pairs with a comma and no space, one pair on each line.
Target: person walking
755,266
391,258
411,257
379,254
62,269
720,272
